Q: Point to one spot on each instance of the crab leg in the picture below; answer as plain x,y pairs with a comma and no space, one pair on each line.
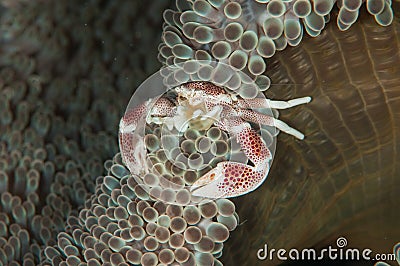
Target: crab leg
130,143
159,107
267,120
133,152
129,121
232,179
257,117
266,103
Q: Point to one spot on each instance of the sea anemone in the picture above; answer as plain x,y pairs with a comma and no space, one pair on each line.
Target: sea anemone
245,33
61,86
343,178
68,67
116,226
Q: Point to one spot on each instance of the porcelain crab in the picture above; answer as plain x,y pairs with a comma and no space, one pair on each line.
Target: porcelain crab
231,114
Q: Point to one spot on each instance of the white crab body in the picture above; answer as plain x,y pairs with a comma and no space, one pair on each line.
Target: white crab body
215,106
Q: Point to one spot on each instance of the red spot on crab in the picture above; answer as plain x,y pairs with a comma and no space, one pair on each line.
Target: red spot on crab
207,87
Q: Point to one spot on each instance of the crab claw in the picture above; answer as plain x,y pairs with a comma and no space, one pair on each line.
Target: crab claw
228,179
129,122
131,130
207,185
133,152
